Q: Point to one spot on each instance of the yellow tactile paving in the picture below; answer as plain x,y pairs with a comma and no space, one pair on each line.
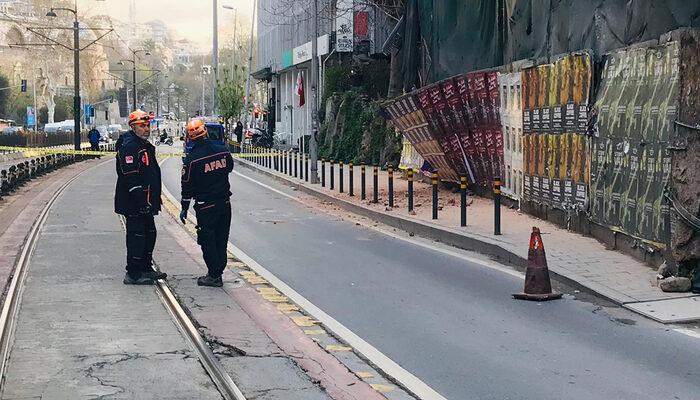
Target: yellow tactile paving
364,375
304,321
338,347
381,388
287,308
314,332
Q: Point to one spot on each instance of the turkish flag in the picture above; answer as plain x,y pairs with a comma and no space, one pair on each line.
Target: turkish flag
300,89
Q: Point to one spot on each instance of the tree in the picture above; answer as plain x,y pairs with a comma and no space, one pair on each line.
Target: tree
230,95
4,95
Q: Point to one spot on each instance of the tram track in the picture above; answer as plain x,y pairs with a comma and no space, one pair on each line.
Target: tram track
10,309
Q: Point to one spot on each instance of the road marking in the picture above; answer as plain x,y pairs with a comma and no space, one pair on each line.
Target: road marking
381,361
688,332
429,246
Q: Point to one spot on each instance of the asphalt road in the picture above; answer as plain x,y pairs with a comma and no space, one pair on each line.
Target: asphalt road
451,322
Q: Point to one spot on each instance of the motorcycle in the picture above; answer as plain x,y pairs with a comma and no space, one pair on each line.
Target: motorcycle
168,141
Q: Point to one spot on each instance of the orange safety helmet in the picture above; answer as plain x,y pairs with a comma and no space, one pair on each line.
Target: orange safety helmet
138,117
196,129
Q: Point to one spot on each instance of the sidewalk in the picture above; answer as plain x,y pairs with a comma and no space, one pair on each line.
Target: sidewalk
576,259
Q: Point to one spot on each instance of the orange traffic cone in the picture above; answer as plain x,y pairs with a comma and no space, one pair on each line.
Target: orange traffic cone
537,284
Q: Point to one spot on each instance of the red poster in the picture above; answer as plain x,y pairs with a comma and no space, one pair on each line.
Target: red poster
361,28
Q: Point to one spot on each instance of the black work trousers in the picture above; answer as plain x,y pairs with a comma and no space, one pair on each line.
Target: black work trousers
94,146
213,224
140,240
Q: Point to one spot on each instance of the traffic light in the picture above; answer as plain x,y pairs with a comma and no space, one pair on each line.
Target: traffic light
24,85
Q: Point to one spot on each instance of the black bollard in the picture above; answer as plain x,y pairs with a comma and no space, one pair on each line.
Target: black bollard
351,179
375,172
341,178
409,174
284,162
497,206
434,182
296,164
362,183
463,201
391,187
306,167
323,172
332,176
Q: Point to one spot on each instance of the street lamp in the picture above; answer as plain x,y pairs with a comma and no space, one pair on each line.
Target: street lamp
233,52
76,70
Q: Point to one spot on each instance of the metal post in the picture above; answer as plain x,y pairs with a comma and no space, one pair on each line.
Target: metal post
250,64
497,206
323,172
296,164
351,179
463,201
391,187
434,182
314,96
332,177
341,177
410,189
76,85
133,81
375,172
36,112
362,183
284,162
306,167
215,61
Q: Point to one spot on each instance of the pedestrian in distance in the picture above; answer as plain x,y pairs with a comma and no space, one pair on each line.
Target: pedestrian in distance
205,173
137,198
94,138
238,130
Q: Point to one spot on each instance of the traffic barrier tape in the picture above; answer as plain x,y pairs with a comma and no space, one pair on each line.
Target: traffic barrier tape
53,150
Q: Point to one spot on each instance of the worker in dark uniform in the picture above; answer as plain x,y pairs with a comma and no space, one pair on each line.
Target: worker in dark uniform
205,173
137,198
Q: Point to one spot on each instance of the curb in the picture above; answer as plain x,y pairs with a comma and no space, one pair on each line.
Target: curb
451,237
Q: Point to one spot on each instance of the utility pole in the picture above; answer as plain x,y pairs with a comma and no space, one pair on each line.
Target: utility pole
36,112
313,152
215,62
250,65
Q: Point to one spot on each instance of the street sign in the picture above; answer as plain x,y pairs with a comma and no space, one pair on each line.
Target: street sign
24,85
31,116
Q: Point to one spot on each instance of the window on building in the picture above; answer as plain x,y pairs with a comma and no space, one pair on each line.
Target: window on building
518,95
508,173
504,94
507,130
512,97
520,141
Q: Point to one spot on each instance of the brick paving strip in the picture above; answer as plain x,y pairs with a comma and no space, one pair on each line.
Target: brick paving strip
577,260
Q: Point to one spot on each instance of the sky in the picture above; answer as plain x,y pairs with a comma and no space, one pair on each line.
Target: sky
191,19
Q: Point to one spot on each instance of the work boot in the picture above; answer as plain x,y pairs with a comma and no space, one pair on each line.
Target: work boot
207,280
142,280
155,275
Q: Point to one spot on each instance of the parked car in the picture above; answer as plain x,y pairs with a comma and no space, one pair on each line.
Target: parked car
12,130
114,131
216,133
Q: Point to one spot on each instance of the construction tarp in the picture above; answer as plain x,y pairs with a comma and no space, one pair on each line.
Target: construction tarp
469,35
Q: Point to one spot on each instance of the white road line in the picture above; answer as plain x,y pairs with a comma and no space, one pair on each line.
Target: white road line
688,332
381,361
420,243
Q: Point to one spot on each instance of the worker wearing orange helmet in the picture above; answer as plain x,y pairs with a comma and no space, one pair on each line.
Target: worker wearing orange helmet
137,198
205,173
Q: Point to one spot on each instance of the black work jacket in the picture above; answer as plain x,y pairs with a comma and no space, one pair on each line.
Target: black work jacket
205,173
138,176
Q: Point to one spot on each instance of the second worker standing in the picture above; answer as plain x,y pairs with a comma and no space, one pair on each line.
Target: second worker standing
205,172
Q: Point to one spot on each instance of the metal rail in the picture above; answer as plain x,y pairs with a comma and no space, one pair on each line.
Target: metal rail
14,292
216,371
218,374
